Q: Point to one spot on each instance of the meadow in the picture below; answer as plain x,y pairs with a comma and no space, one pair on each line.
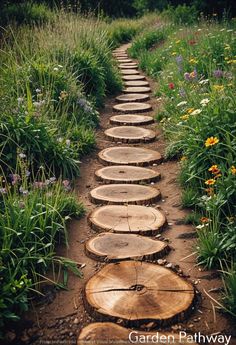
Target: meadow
56,69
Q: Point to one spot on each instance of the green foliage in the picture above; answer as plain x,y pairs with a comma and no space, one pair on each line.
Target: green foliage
229,295
182,14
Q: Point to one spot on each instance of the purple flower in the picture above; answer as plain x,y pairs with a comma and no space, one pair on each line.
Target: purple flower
39,185
14,178
3,191
182,92
218,73
179,59
23,191
187,76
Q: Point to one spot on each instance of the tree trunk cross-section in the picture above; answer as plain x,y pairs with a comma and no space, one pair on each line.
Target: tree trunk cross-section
129,72
137,89
110,247
124,194
137,83
127,174
138,292
131,219
129,156
133,97
129,119
132,107
130,134
107,333
133,77
124,60
128,65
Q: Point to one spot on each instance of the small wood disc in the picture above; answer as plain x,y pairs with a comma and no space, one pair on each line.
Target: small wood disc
132,107
139,292
127,174
129,71
129,156
128,65
124,60
137,89
134,120
137,83
133,97
132,219
130,134
124,194
107,333
133,77
110,247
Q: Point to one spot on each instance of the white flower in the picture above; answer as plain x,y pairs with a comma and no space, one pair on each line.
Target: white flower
199,227
181,104
204,81
38,90
68,142
20,100
204,102
196,112
55,69
60,66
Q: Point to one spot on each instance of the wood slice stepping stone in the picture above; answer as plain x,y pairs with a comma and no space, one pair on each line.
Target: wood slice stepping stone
127,174
130,134
137,83
132,219
134,120
129,71
137,89
133,97
139,292
123,60
124,194
128,65
107,333
129,156
133,77
132,107
110,247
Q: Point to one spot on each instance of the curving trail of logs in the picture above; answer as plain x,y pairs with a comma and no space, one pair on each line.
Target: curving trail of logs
130,288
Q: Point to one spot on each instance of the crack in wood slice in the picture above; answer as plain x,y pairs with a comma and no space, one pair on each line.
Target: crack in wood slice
132,219
127,174
118,194
129,156
107,333
132,107
136,83
129,72
133,77
110,247
138,292
129,119
133,97
130,134
128,65
137,89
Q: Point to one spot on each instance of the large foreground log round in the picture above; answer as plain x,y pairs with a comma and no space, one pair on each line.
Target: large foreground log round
132,65
129,72
132,107
130,134
139,292
133,77
133,97
134,120
127,174
107,333
129,156
111,247
137,89
128,219
124,194
137,83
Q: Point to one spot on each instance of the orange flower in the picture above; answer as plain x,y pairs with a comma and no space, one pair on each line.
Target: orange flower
183,158
214,169
211,141
233,170
204,220
210,182
210,191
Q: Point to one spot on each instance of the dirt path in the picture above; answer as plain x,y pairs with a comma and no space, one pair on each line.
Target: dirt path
61,320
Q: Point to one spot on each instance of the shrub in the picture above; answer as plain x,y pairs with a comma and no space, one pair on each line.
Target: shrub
182,14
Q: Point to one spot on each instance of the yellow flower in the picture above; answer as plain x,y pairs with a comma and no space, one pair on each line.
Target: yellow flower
210,182
184,158
184,117
214,169
63,95
190,110
211,141
218,87
233,170
177,42
193,61
174,53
